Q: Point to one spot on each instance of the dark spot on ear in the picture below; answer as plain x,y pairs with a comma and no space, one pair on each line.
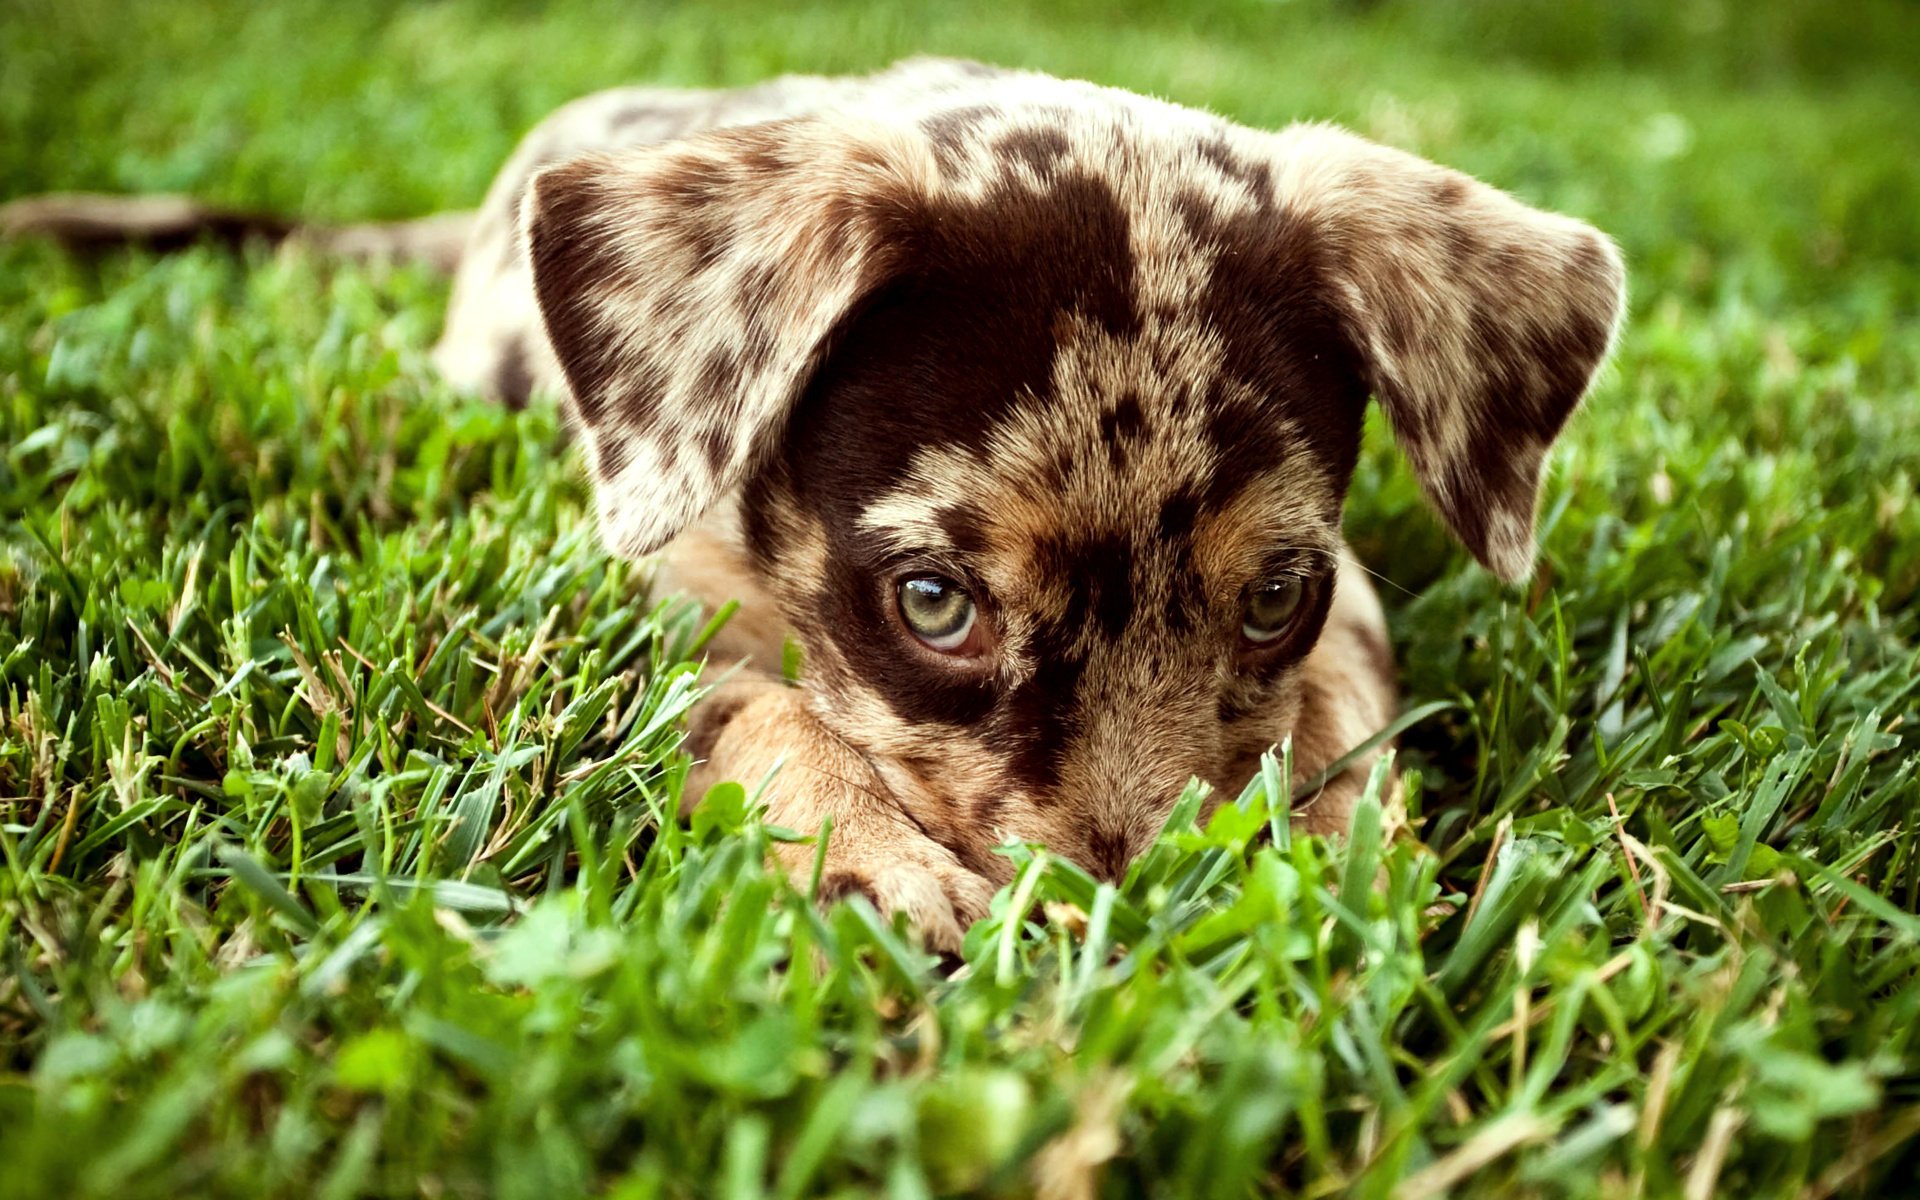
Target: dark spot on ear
719,374
694,183
1532,376
1199,217
1402,335
610,457
759,287
716,446
568,266
839,222
512,382
638,394
758,346
707,237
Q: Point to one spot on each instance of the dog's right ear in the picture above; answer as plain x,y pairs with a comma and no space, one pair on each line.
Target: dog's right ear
688,291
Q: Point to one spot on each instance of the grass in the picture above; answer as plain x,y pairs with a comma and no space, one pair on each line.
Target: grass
337,764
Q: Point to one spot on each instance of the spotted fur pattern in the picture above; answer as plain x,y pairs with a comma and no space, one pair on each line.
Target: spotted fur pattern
1100,358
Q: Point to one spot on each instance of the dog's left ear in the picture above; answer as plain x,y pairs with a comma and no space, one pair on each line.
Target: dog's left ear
689,290
1480,321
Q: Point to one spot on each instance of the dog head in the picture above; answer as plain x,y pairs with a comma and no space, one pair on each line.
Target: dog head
1043,413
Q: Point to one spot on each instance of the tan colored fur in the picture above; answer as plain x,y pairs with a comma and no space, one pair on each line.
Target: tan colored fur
694,289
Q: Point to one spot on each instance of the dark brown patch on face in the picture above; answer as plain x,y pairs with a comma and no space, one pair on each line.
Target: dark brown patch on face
964,528
949,131
855,613
1108,854
1120,425
1100,567
1267,298
1042,148
940,358
1035,723
1252,174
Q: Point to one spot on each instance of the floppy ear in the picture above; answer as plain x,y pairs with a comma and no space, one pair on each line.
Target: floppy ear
688,289
1481,322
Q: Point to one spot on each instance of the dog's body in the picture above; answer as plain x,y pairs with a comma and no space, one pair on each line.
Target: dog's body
1028,408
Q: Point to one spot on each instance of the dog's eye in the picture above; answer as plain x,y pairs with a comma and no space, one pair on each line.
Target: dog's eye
1271,608
939,612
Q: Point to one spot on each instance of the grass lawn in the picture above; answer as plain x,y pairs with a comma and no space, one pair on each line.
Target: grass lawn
338,764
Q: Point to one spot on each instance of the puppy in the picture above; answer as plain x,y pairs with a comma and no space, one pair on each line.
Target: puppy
1027,408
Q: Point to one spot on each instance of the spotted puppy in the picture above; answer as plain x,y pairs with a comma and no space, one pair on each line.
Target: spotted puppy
1028,408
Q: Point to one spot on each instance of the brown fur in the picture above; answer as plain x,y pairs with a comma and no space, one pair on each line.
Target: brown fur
1099,359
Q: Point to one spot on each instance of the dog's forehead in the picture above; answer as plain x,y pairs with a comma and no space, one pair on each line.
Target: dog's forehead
1175,176
1138,444
1101,322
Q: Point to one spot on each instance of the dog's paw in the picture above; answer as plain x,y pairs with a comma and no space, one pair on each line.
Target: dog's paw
756,729
913,876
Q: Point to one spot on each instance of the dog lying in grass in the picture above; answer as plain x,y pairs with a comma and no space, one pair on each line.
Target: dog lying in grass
1026,407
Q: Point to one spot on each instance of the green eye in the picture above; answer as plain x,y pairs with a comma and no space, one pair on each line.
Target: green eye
1271,608
937,611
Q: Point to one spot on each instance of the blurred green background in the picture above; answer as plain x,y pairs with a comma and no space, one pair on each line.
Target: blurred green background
1774,139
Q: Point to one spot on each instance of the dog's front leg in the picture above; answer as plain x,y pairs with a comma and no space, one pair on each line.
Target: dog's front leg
761,729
